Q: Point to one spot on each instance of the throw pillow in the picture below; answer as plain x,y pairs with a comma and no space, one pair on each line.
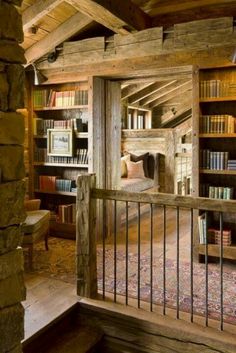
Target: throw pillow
142,157
135,169
123,166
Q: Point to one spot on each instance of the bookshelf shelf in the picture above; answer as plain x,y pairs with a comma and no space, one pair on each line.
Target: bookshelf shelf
69,107
67,165
81,135
212,135
229,252
216,143
217,99
216,171
73,194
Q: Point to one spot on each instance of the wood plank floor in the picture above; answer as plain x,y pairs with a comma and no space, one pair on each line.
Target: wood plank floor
47,299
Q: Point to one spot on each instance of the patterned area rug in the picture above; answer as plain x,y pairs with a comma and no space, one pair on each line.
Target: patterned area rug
59,263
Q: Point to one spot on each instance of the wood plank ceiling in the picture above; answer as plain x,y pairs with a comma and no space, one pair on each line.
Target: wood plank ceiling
49,23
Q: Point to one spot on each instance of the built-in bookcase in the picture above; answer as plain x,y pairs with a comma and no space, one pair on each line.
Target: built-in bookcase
60,120
138,118
217,154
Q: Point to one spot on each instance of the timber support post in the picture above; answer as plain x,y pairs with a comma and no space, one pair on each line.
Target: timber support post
86,255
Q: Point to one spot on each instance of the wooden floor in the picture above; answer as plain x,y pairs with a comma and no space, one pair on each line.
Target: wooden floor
47,299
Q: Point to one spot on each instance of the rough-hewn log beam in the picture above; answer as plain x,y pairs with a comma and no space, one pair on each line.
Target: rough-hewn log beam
142,66
73,25
120,16
184,11
38,10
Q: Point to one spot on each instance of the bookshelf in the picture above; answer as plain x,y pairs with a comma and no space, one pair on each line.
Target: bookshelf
217,156
137,118
58,110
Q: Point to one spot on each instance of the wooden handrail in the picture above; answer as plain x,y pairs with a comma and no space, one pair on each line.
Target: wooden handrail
198,203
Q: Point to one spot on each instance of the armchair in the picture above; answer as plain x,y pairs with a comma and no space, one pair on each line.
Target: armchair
35,227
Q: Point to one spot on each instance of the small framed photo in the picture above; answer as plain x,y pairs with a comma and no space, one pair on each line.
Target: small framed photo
60,142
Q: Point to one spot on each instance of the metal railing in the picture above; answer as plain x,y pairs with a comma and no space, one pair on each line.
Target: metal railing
161,203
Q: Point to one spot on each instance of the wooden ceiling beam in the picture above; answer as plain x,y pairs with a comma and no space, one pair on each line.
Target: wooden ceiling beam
174,114
164,89
131,89
120,16
153,87
178,90
39,9
191,11
70,27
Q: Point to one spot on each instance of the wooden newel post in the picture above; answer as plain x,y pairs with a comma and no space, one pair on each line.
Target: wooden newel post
86,237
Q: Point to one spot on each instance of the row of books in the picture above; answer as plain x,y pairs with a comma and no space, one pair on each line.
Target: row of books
232,164
55,183
213,160
212,235
217,124
216,89
51,98
42,125
216,192
81,157
67,213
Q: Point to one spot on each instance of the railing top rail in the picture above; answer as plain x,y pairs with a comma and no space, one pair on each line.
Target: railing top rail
198,203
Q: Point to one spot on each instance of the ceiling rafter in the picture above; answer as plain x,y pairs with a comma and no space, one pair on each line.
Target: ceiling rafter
166,87
173,114
131,89
120,16
178,89
37,11
70,27
150,89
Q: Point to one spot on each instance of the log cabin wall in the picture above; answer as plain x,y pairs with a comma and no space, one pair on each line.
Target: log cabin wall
12,188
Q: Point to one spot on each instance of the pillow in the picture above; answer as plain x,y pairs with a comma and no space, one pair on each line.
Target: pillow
123,166
142,157
135,169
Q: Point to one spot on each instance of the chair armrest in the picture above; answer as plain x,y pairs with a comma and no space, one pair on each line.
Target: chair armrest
32,205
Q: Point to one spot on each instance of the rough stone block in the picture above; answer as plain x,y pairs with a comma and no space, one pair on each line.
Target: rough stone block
11,263
12,210
15,289
11,23
10,238
12,324
11,52
12,128
16,79
4,89
12,162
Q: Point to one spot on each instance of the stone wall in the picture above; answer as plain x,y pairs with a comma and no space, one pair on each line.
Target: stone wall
12,189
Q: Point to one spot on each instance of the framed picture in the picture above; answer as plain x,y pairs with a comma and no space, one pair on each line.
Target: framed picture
60,142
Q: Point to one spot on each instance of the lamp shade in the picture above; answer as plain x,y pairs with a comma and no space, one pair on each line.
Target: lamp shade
39,78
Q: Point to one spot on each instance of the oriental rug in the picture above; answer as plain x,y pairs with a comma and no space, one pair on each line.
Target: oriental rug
59,263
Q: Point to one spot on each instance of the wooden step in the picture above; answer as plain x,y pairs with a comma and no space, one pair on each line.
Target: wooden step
65,335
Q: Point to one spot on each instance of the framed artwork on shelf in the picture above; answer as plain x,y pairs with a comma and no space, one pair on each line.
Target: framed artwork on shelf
60,142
